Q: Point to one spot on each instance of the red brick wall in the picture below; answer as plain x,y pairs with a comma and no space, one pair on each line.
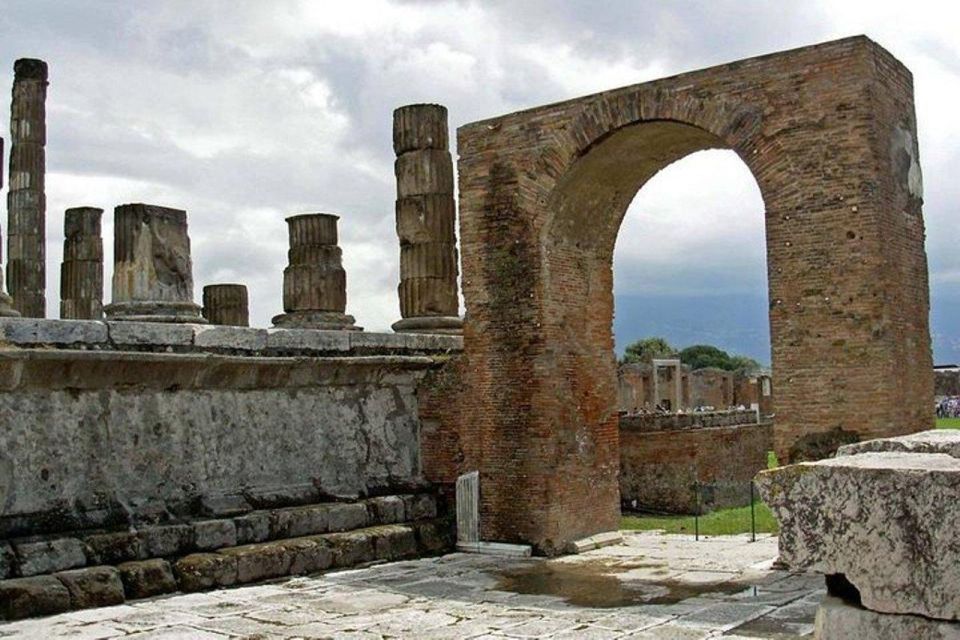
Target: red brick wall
828,132
659,468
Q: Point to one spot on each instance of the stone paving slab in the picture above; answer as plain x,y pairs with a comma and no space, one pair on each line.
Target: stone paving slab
651,587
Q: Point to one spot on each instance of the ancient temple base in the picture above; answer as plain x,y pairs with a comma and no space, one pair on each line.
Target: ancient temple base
446,325
185,312
328,320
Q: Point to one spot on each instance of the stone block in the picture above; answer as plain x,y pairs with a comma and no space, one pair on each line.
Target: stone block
253,527
211,535
435,536
293,522
281,496
35,558
378,342
385,510
946,441
838,620
394,542
308,555
224,505
352,548
880,520
262,561
308,340
167,540
200,571
92,587
147,578
7,561
434,342
29,331
37,596
422,506
346,516
230,338
112,548
158,335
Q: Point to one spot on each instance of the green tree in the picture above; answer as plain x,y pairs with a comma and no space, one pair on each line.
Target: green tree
647,349
744,364
701,356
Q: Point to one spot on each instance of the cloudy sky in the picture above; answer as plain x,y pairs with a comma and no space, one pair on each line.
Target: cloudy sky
246,112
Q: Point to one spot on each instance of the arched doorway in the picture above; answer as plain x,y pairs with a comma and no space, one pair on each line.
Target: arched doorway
827,131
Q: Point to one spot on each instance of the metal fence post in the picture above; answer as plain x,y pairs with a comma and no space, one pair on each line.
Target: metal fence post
753,517
696,510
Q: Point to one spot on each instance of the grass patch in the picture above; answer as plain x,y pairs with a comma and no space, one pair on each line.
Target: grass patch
948,423
719,523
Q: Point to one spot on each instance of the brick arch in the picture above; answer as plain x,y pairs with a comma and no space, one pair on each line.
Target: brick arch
542,195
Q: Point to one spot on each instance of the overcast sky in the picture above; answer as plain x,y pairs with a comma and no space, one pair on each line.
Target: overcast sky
244,113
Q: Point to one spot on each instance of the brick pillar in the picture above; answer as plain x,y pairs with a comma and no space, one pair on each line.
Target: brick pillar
314,281
81,273
26,202
152,271
226,304
425,221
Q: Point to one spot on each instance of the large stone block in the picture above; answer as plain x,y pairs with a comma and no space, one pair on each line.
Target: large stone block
27,331
346,516
200,571
147,578
838,620
38,596
946,441
167,540
257,562
7,561
882,519
112,548
92,587
294,522
215,534
48,556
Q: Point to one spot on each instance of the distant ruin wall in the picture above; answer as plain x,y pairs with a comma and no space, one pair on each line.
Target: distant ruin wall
107,423
663,457
946,383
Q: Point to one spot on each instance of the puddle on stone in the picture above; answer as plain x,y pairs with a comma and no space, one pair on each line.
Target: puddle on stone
595,584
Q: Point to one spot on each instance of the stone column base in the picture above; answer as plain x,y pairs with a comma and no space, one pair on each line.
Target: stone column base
185,312
449,325
328,320
6,306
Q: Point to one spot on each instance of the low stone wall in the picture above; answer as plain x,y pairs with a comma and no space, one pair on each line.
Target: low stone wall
111,424
662,458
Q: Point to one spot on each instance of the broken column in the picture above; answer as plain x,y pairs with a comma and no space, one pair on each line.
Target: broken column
81,273
314,281
26,202
226,304
152,271
425,219
6,302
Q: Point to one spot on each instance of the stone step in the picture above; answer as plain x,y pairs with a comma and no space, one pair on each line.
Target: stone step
110,585
27,557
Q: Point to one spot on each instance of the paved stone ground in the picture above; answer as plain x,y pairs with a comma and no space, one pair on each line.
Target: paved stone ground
652,587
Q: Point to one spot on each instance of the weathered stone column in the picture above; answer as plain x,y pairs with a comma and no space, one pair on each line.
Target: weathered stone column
81,273
26,202
226,304
152,271
426,216
6,302
314,282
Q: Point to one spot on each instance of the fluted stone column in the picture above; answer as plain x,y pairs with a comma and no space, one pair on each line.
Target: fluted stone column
26,202
226,304
152,271
81,273
425,221
314,282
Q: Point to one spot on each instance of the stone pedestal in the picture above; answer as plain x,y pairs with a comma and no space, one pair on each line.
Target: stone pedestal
226,304
152,271
426,215
314,282
26,202
81,273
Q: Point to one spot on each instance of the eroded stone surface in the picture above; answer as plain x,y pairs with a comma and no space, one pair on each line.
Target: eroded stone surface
837,620
48,556
879,519
946,441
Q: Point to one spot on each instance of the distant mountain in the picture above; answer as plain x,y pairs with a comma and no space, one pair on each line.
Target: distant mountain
739,323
